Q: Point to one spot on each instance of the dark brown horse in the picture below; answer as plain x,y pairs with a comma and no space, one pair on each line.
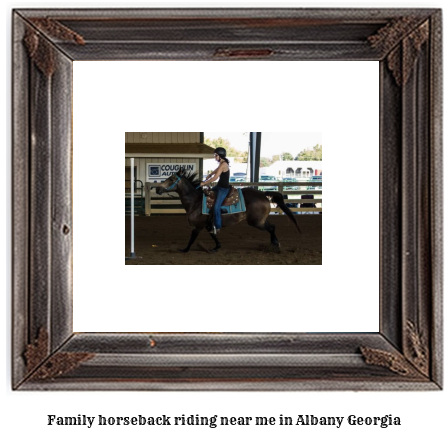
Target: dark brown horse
257,207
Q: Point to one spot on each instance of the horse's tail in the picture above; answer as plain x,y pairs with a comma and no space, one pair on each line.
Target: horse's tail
277,197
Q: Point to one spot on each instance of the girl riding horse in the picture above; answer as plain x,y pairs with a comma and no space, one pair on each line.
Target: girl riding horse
258,207
221,189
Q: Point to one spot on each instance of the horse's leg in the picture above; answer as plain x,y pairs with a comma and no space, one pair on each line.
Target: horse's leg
257,217
193,236
209,224
265,226
218,245
271,228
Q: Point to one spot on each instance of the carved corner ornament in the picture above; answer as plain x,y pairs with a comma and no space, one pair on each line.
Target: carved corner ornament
417,349
37,351
414,364
40,49
402,56
397,363
41,367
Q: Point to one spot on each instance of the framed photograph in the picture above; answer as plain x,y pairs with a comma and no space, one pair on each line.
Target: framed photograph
404,354
169,223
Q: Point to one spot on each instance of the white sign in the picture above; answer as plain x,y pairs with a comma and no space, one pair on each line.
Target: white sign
159,172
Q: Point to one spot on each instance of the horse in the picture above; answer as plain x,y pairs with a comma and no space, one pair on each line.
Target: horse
257,203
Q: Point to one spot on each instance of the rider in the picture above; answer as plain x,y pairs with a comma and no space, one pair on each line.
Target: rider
222,188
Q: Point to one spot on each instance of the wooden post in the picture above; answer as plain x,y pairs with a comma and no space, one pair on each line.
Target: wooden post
147,199
280,187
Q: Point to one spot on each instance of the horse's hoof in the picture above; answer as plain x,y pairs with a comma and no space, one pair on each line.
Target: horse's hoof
272,248
184,251
216,249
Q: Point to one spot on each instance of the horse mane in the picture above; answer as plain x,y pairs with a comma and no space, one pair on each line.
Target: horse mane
192,177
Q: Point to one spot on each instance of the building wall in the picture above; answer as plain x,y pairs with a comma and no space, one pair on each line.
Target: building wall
141,164
158,138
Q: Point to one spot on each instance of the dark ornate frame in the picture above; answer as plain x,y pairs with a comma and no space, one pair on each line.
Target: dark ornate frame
406,354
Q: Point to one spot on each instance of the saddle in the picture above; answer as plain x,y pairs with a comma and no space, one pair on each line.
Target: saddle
231,199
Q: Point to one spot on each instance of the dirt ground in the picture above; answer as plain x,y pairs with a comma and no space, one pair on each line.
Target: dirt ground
159,238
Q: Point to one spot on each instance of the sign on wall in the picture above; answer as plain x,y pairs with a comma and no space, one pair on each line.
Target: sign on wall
158,172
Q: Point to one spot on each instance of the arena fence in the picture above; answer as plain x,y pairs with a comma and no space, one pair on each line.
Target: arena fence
294,193
139,197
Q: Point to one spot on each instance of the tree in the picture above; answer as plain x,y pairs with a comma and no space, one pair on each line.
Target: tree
265,162
286,156
314,154
240,156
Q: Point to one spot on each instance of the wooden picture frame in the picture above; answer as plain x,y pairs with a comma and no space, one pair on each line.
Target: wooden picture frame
406,353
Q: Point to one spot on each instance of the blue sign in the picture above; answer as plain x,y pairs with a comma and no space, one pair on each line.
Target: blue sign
154,171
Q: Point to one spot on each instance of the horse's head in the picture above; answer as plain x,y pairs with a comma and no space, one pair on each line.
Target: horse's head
170,184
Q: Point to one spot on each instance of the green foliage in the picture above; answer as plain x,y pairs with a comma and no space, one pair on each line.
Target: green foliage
240,156
265,162
314,154
286,156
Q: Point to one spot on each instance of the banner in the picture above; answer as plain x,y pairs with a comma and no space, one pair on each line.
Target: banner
159,172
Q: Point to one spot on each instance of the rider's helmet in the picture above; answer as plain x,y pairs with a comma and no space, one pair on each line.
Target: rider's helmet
221,152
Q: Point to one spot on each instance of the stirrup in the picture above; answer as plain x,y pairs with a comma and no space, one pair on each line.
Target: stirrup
213,230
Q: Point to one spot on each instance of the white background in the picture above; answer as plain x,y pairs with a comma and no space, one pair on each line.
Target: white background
340,295
422,414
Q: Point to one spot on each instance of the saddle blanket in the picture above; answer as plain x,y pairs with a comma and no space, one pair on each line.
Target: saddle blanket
239,207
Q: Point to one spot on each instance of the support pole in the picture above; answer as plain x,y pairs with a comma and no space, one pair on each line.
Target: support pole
132,208
132,255
255,146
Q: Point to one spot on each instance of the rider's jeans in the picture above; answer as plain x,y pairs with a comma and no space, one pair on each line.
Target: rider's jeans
221,194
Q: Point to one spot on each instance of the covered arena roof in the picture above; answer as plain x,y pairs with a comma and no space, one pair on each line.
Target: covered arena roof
200,150
136,148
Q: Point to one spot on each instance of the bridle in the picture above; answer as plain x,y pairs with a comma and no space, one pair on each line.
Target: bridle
175,183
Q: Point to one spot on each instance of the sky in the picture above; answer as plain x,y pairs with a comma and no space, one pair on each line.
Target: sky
272,143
